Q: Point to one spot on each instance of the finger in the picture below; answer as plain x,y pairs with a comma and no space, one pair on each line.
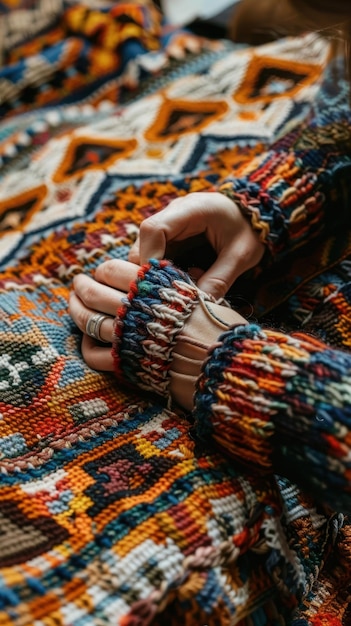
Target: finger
118,275
81,315
153,240
178,221
96,296
96,356
134,253
218,279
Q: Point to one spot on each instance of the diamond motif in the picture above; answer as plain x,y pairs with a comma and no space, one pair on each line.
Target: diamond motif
84,154
177,117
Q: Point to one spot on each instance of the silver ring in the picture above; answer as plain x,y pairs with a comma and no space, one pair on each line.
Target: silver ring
94,324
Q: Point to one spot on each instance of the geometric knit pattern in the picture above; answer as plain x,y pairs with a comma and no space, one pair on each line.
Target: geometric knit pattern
112,509
73,49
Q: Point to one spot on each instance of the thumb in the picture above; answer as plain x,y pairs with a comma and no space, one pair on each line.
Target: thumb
218,279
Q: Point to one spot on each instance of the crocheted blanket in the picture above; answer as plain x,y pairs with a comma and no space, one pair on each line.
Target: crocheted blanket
110,510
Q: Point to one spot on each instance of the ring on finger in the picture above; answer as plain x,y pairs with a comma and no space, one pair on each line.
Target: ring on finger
93,326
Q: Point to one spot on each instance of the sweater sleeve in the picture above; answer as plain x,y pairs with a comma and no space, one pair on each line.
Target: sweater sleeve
281,403
301,186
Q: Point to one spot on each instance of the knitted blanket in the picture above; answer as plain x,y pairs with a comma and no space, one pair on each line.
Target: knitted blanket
110,511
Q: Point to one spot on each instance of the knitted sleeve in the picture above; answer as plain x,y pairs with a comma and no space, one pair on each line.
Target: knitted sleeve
281,403
301,186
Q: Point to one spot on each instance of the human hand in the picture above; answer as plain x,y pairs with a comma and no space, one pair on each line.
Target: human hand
104,295
100,295
236,244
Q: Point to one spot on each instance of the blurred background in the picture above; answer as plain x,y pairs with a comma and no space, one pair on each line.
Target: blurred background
205,17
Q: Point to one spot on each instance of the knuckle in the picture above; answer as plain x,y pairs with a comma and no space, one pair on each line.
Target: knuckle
80,319
133,254
179,200
106,271
76,311
88,293
149,225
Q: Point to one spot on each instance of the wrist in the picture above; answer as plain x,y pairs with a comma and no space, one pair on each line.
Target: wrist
153,345
200,333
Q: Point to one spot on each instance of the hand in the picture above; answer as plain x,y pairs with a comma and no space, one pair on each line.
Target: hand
104,295
230,234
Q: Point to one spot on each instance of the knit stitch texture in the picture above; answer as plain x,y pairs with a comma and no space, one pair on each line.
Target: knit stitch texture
146,328
113,510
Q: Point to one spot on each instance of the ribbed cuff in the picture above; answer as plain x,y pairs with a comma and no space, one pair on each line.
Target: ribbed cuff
281,403
250,199
146,327
231,401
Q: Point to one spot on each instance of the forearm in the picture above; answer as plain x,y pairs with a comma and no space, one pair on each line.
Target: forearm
282,404
276,403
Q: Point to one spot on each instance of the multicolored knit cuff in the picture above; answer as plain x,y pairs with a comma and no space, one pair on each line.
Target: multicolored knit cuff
281,403
285,197
146,327
231,402
249,198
